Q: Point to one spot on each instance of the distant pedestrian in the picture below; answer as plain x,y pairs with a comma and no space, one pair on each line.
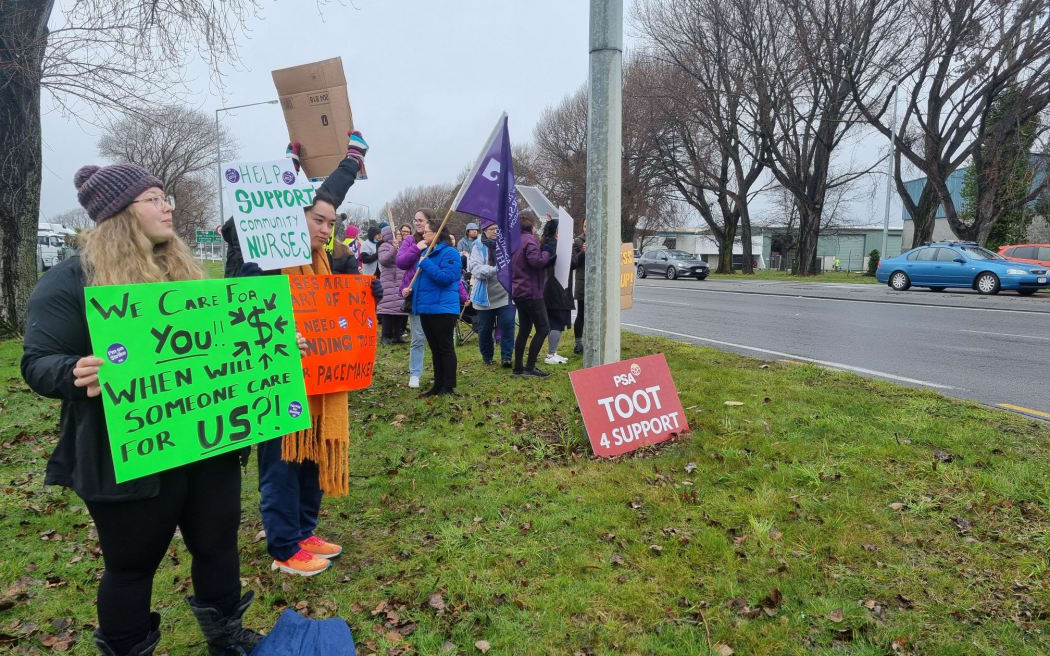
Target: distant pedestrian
391,316
490,298
579,260
557,299
529,266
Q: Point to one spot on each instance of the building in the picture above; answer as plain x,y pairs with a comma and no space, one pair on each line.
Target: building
774,247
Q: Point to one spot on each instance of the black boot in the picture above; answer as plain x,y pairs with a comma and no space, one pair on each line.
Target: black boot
144,648
225,635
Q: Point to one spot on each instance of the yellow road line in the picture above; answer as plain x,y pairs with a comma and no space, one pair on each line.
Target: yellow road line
1027,411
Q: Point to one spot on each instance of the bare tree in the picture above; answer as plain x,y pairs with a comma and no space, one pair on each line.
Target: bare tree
709,142
109,55
177,144
962,57
76,218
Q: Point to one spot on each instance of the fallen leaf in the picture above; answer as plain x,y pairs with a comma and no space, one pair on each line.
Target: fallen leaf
734,403
723,650
618,561
690,467
656,549
836,615
962,524
437,602
483,646
943,456
448,647
905,602
896,505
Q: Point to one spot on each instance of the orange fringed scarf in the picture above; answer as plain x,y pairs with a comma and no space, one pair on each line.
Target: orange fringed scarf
327,441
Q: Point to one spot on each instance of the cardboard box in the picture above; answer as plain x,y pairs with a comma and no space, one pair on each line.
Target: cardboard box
317,111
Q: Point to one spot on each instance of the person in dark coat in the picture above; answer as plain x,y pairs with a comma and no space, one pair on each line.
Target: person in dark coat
391,316
528,276
556,298
132,242
579,261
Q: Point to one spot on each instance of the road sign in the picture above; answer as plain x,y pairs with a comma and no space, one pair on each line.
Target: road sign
207,237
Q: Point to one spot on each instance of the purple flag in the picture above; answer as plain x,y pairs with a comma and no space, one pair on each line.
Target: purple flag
488,192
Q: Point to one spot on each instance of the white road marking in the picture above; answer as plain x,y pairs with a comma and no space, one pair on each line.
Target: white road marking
823,363
841,300
985,332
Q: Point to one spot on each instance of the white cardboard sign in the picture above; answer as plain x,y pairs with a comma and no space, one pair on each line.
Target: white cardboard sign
266,200
564,252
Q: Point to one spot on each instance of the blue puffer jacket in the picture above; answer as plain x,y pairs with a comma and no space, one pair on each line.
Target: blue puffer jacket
437,289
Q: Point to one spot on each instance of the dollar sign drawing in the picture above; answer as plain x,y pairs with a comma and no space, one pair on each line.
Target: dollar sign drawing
264,329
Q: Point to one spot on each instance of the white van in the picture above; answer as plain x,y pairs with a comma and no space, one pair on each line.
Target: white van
53,244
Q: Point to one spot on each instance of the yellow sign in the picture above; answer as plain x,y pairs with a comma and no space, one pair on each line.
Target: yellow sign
626,276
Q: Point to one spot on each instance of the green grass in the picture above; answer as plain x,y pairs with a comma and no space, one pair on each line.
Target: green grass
213,268
771,274
773,522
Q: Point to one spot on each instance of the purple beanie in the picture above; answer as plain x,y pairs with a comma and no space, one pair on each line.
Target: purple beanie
105,191
486,222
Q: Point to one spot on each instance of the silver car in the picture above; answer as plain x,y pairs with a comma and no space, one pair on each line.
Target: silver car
672,264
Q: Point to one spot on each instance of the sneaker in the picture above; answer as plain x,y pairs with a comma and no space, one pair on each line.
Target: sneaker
535,373
507,364
518,372
413,382
320,548
578,349
488,363
554,358
302,563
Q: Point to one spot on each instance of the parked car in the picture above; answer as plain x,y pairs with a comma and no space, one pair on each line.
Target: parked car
1029,253
672,264
960,264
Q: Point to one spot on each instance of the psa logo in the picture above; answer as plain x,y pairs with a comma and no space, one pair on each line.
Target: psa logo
491,171
631,378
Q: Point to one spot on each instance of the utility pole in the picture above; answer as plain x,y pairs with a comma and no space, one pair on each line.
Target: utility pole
601,332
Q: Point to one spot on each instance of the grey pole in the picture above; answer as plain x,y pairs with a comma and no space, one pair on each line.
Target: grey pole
218,167
890,179
601,332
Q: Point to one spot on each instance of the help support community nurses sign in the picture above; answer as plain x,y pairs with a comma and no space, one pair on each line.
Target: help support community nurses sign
195,369
627,405
266,200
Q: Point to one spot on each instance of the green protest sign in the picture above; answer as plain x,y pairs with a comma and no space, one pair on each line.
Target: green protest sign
195,369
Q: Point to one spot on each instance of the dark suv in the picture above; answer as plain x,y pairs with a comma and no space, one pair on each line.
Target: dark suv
672,264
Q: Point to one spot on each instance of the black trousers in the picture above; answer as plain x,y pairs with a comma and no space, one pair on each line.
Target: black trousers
577,326
438,329
393,324
531,312
203,500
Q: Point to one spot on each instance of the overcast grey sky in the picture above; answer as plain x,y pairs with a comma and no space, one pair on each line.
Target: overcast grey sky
427,81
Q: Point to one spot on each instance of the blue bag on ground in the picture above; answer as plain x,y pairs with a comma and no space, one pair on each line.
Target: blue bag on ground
295,635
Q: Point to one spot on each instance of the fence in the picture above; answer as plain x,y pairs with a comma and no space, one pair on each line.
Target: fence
853,261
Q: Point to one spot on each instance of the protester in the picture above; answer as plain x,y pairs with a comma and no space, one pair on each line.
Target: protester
404,230
298,469
370,252
557,299
132,242
407,259
466,244
351,239
391,316
436,296
579,259
490,298
527,266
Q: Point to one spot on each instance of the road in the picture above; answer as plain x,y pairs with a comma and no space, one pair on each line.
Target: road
991,349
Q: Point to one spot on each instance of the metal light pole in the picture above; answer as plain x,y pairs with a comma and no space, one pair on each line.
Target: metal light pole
891,177
601,332
218,150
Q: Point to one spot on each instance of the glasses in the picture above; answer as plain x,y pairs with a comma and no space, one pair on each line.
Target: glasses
158,201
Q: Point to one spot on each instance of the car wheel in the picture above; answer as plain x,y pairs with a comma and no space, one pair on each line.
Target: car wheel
936,289
987,283
672,273
1026,292
899,281
641,271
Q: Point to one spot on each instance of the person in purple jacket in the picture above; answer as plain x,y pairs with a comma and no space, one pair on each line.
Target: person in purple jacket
407,260
391,316
528,274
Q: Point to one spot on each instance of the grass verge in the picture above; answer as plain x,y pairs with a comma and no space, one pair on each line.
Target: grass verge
828,514
770,274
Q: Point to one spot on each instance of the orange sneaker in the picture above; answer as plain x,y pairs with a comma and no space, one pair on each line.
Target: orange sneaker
302,563
320,548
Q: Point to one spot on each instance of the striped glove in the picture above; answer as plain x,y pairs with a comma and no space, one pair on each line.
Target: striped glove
293,152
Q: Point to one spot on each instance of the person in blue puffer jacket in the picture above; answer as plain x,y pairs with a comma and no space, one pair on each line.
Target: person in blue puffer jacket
436,300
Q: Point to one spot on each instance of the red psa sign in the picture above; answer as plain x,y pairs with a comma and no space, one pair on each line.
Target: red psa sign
627,405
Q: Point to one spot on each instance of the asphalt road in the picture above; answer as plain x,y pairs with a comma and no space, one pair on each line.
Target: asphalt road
991,349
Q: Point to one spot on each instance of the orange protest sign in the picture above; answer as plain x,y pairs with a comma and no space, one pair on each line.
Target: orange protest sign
337,316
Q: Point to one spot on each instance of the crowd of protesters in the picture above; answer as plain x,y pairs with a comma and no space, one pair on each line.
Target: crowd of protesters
424,282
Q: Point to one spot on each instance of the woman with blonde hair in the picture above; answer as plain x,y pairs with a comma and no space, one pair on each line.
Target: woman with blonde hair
132,242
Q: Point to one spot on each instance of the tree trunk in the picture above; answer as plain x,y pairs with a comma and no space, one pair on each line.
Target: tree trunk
808,235
725,248
745,241
23,32
923,215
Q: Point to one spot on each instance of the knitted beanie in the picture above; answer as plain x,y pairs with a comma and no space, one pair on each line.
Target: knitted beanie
105,191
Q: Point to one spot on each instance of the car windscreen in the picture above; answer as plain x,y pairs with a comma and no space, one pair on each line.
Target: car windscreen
681,255
980,253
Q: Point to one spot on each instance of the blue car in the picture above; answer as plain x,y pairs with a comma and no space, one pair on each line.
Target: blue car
960,264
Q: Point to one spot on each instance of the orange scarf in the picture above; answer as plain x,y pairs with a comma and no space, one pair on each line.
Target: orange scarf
327,441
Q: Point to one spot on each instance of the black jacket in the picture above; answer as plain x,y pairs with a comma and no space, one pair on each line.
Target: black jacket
555,297
579,261
56,337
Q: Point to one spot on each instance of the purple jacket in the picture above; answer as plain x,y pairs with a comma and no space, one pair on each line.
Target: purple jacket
527,268
389,276
407,261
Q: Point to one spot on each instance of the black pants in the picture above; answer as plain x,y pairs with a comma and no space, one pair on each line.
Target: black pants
204,500
438,329
393,325
531,312
577,326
